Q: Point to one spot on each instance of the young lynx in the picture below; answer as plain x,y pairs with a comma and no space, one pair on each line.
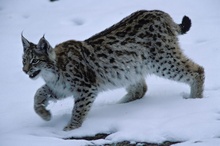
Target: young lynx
121,56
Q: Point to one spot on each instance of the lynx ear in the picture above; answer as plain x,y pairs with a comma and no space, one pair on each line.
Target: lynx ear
25,42
43,46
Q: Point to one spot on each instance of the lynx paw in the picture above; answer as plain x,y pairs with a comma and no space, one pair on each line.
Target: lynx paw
43,113
70,127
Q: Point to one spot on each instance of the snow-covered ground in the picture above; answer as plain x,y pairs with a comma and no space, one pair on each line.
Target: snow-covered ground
161,115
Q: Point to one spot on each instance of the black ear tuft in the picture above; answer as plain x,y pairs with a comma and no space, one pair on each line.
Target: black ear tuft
25,42
43,46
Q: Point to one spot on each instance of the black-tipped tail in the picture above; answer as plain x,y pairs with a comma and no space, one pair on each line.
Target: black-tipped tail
185,25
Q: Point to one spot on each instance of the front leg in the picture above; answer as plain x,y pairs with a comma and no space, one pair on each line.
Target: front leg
41,98
83,103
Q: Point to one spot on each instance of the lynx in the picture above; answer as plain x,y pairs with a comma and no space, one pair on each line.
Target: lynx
141,44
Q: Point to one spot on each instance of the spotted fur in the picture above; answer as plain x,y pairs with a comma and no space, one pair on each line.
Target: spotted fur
121,56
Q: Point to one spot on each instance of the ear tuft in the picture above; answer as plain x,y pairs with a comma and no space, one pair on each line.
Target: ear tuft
25,42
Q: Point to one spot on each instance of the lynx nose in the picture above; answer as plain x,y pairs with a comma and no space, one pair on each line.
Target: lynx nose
25,70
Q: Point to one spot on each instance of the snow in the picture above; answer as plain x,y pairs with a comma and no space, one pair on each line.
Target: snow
162,115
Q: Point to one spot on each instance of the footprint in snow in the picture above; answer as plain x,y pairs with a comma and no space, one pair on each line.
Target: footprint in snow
78,21
25,16
199,41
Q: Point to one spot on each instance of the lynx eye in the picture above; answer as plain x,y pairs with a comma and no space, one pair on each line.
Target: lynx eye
24,61
34,61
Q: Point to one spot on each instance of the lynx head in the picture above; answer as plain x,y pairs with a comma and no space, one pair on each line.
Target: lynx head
37,57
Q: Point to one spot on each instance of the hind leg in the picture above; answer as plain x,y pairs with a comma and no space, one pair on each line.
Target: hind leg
135,91
196,82
180,68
